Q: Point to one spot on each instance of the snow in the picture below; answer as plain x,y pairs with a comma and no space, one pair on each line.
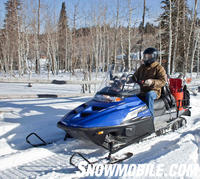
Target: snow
19,88
19,117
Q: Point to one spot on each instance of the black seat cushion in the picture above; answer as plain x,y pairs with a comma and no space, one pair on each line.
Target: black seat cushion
167,97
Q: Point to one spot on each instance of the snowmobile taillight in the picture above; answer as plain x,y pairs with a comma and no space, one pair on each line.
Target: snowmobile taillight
100,132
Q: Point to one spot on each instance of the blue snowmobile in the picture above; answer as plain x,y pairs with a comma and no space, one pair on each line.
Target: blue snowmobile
118,116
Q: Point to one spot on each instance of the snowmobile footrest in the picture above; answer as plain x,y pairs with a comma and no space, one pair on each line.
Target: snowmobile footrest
36,145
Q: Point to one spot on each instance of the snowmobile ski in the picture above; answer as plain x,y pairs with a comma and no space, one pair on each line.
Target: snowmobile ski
109,160
125,156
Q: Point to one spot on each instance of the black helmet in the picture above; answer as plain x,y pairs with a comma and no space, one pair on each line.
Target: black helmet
150,55
151,51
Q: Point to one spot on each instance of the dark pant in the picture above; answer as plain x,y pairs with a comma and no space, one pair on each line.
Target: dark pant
150,97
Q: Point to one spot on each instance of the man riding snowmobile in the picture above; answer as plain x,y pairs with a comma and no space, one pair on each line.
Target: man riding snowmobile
151,77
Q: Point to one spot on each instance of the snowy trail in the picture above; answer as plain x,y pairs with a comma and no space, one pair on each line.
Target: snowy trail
19,160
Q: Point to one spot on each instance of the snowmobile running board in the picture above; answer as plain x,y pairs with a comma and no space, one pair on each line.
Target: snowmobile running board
36,145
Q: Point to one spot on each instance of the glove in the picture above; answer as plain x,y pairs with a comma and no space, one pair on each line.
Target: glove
140,82
148,82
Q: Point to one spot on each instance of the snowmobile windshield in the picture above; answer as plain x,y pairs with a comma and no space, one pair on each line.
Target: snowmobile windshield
118,88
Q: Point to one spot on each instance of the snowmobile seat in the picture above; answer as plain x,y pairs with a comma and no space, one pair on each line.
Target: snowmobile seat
167,97
165,102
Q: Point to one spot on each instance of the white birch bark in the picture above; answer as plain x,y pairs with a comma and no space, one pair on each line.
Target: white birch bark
122,49
193,52
176,38
142,33
129,34
198,56
190,38
170,40
160,44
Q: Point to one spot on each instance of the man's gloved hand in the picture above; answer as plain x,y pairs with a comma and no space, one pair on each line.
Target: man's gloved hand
148,82
140,82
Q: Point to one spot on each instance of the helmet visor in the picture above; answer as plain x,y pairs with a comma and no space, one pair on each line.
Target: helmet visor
147,56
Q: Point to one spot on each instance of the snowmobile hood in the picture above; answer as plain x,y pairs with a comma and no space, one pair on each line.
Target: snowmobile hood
102,114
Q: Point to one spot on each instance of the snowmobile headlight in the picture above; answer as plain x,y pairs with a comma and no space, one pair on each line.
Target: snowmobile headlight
100,132
107,98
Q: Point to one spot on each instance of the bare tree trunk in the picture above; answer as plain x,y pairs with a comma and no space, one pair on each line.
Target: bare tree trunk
19,44
49,67
142,33
170,40
74,60
71,53
193,53
104,47
96,42
160,43
122,49
198,56
66,51
108,49
115,35
129,34
26,53
37,40
11,63
189,40
184,39
176,38
5,52
99,49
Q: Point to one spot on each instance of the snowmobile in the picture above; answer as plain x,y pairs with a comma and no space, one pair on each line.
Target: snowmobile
118,116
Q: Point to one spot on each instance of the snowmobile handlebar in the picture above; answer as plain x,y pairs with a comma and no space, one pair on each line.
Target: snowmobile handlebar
130,78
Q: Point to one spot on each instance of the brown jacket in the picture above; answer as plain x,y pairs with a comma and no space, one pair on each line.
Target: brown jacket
155,72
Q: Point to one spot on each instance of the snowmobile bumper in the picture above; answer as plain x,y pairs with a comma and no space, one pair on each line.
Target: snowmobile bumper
84,133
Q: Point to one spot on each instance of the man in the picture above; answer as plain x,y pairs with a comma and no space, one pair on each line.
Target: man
151,77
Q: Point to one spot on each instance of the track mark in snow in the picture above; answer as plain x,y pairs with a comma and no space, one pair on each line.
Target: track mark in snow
57,163
20,158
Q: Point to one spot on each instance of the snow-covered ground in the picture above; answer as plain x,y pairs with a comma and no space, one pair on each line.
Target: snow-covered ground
19,117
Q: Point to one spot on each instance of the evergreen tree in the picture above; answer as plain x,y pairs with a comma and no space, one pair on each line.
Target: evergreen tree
11,25
180,23
149,28
62,41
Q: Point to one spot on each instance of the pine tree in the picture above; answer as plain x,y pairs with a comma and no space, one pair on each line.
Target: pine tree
11,25
62,41
165,27
149,28
180,22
